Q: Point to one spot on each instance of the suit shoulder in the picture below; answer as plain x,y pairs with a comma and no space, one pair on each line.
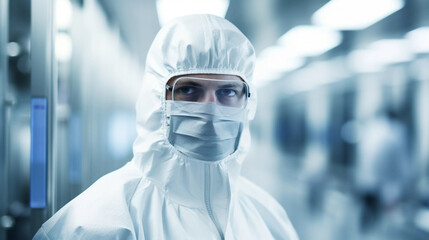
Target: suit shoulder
106,201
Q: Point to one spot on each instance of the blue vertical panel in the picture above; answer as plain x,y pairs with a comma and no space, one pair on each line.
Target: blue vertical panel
38,156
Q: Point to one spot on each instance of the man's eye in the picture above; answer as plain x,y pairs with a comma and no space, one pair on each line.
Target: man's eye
227,92
186,90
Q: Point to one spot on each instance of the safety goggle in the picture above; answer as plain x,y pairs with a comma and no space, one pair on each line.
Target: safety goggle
228,93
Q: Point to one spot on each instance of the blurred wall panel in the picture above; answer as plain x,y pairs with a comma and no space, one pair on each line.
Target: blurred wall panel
3,86
43,85
14,119
98,90
421,116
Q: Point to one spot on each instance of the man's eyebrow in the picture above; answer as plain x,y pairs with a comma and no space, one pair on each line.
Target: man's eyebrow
228,85
189,82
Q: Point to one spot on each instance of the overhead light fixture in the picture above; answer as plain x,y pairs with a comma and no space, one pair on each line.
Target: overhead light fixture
267,70
391,51
279,59
286,65
309,40
261,77
354,14
364,61
421,219
63,14
170,9
273,62
418,40
63,47
317,74
13,49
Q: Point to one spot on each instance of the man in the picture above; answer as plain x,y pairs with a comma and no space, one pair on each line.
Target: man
193,135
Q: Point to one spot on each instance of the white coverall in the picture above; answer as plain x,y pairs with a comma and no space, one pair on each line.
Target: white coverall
161,193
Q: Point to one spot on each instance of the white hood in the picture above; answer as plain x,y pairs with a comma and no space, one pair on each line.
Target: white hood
203,44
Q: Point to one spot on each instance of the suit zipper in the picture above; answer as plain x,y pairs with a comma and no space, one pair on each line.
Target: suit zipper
207,190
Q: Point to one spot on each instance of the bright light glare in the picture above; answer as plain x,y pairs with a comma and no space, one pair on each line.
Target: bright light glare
13,49
418,40
316,74
261,77
121,134
310,40
63,14
390,51
279,59
273,62
63,47
364,61
171,9
6,221
422,219
354,14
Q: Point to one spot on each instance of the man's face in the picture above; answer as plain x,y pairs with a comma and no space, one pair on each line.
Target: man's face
222,89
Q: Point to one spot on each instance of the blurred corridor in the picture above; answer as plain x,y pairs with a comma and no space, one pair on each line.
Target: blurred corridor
340,137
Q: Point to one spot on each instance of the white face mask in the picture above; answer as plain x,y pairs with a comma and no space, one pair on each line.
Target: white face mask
205,131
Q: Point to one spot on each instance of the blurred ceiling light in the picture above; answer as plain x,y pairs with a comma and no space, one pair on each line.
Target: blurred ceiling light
261,79
279,59
308,41
316,74
418,40
364,61
421,219
262,75
63,47
354,14
63,14
273,62
7,221
13,49
121,134
170,9
390,51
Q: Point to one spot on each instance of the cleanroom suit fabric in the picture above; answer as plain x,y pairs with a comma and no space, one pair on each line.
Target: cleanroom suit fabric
162,193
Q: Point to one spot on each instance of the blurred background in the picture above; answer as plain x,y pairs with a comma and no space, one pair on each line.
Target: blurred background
340,138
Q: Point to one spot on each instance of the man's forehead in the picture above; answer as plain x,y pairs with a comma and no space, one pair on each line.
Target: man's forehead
219,77
208,82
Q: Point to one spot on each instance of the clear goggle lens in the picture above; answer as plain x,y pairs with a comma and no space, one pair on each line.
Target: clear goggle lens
227,93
